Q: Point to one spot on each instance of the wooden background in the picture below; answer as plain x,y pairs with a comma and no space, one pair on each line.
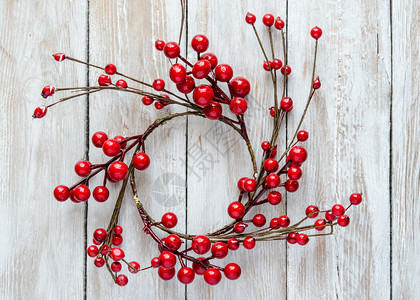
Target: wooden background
364,136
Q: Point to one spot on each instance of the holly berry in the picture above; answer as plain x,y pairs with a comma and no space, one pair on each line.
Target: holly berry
316,32
276,64
291,185
201,69
110,69
101,193
92,251
121,83
187,86
61,193
104,80
302,136
117,240
233,244
99,262
312,211
82,168
250,18
200,43
240,227
272,180
146,100
249,243
200,244
111,147
141,161
343,220
284,221
173,242
291,238
47,91
168,259
268,20
271,165
177,73
232,271
198,268
213,111
294,173
122,280
355,198
274,197
320,224
171,50
236,210
212,276
266,66
203,95
302,239
155,262
169,220
81,192
159,45
134,267
186,275
298,154
98,139
223,72
316,84
259,220
158,84
238,106
39,112
120,139
118,230
59,56
241,184
116,267
118,171
219,250
211,58
286,70
117,254
100,235
279,23
338,210
159,105
286,104
330,216
265,145
250,185
240,87
105,249
274,223
166,274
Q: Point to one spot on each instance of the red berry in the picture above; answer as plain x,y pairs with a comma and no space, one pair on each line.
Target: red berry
198,268
272,180
116,267
236,210
271,165
286,104
122,280
61,193
302,136
101,193
343,220
213,111
320,224
59,56
98,139
316,32
201,69
211,58
265,145
338,210
272,111
99,262
118,171
110,69
268,20
186,275
223,73
116,254
249,243
121,83
92,251
100,235
81,192
298,154
291,238
240,87
169,220
212,276
294,173
48,91
159,45
259,220
302,239
166,274
134,267
316,84
155,262
177,73
274,152
167,259
250,185
276,64
104,80
250,18
200,244
82,168
233,244
238,106
173,242
286,69
118,230
111,147
203,95
355,198
329,216
200,43
158,84
232,271
120,139
274,223
146,100
279,23
241,184
291,185
39,112
284,221
187,86
171,50
141,161
239,227
312,211
219,250
73,198
117,240
267,66
159,105
105,249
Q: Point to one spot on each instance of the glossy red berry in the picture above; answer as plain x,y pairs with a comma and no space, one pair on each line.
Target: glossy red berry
219,250
81,192
320,224
111,147
110,69
118,171
240,227
250,185
82,168
316,32
59,56
105,249
117,254
272,180
92,251
211,58
240,87
274,197
159,105
286,104
198,268
122,280
169,220
200,43
267,66
166,274
316,84
250,18
201,69
171,50
187,86
61,193
286,70
177,73
134,267
274,223
329,216
186,275
265,145
302,136
241,184
173,242
312,211
343,220
116,267
100,235
338,210
158,84
121,83
147,100
213,111
120,139
223,72
212,276
232,271
302,239
99,262
141,161
291,238
98,139
39,112
268,20
276,64
355,198
101,193
236,210
233,244
259,220
104,80
291,185
200,244
298,154
238,106
294,173
279,23
168,259
284,221
249,243
47,91
203,95
271,165
117,240
159,45
155,262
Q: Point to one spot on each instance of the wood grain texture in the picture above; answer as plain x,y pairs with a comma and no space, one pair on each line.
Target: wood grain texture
405,149
42,240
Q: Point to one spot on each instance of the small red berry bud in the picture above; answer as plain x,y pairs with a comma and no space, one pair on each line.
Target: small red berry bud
239,87
118,171
200,43
286,104
240,227
276,64
201,69
274,197
279,23
92,251
355,198
249,243
223,72
171,50
302,239
121,83
316,32
312,211
47,91
250,18
236,210
265,145
159,45
320,224
232,271
338,210
211,58
141,161
122,280
169,220
39,112
266,66
268,20
117,254
177,73
101,193
302,136
238,106
203,95
343,220
110,69
259,220
59,56
104,80
291,185
213,111
286,69
82,168
61,193
158,84
284,221
250,185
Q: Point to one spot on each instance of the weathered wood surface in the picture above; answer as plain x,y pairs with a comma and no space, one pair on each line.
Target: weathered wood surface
364,136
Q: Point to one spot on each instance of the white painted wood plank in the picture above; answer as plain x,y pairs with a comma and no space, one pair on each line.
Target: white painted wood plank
405,149
348,147
218,157
123,33
42,240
